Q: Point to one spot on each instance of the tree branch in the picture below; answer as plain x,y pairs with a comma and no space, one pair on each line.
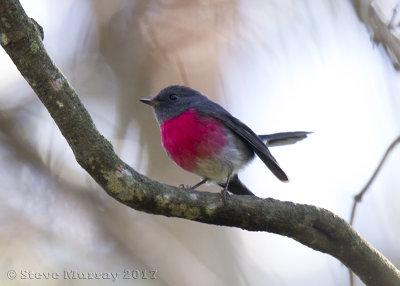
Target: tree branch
380,28
311,226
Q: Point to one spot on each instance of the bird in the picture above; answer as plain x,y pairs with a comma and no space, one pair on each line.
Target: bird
203,138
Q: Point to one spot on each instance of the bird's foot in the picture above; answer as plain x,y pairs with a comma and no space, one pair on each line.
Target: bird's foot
224,193
185,187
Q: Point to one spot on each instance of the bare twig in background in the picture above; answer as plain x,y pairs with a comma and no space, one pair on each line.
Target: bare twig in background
352,278
381,29
392,24
309,225
359,196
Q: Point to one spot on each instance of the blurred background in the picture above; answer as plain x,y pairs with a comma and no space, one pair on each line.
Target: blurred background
277,65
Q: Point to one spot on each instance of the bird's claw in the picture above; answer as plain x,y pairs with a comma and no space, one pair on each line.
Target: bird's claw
185,187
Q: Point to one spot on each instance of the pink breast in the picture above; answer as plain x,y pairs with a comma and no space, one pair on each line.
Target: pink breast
188,137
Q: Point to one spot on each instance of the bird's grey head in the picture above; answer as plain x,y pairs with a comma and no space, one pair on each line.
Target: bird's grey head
173,101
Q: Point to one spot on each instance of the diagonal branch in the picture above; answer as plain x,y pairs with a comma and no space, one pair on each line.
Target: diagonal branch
312,226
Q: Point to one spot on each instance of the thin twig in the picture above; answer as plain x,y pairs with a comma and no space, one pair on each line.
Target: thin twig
359,196
391,24
352,278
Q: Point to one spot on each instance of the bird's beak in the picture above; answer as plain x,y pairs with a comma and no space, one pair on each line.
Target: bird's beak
149,101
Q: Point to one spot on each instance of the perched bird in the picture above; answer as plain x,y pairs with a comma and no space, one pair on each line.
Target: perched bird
203,138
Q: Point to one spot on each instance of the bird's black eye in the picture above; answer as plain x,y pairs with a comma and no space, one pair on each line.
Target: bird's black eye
173,97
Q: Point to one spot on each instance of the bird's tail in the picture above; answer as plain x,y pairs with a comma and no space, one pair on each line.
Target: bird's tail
236,187
283,138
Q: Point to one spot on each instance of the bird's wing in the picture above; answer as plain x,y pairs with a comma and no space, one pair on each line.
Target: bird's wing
248,136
